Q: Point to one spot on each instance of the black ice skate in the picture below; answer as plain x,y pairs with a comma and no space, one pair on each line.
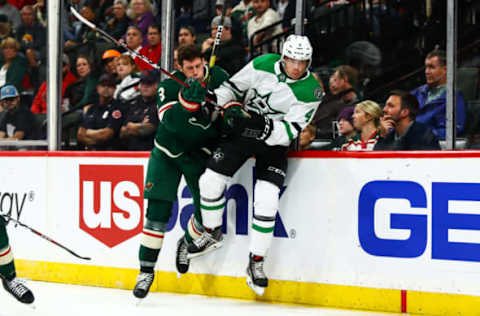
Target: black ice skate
207,242
256,278
144,281
16,287
181,260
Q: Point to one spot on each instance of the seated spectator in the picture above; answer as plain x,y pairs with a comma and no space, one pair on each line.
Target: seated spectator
400,130
108,60
176,66
241,14
345,129
14,67
432,96
141,119
39,105
134,42
102,120
117,25
230,53
306,137
5,28
342,85
264,16
85,34
127,89
153,50
11,12
18,122
32,37
82,92
141,16
186,36
366,120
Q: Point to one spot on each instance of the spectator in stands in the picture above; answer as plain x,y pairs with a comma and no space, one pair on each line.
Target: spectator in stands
5,27
108,60
32,37
134,42
85,34
176,66
117,25
102,120
141,16
11,12
82,92
39,105
306,137
366,120
342,85
400,130
153,50
14,67
432,96
18,122
264,16
230,53
127,89
345,129
186,36
242,13
141,119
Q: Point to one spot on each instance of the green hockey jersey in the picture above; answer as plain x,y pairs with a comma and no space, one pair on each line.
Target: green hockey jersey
263,87
181,129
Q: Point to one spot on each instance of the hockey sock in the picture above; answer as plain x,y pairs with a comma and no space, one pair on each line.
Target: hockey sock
194,230
150,244
7,266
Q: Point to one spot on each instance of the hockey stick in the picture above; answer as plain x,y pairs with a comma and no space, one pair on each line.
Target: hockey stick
123,45
9,218
131,51
216,43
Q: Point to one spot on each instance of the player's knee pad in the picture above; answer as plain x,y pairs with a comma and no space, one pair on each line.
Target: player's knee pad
266,198
153,233
212,184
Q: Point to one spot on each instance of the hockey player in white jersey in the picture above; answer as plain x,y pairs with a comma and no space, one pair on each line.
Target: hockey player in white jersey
280,96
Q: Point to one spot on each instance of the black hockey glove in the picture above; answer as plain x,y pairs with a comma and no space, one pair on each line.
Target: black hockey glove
208,108
257,126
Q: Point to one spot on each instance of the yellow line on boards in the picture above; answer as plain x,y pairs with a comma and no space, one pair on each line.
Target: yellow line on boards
290,292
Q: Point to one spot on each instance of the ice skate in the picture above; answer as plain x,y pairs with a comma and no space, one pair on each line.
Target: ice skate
144,281
16,287
181,260
207,242
256,278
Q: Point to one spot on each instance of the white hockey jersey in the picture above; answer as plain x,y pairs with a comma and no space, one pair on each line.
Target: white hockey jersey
262,87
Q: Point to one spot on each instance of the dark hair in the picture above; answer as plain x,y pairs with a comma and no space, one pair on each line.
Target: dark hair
155,26
440,54
408,101
348,73
188,52
189,28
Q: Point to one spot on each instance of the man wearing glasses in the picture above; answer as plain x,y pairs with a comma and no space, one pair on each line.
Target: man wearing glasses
17,122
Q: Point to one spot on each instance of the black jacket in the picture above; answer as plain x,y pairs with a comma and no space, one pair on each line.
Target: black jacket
418,137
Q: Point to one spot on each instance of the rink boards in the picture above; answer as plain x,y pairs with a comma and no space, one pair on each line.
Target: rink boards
397,232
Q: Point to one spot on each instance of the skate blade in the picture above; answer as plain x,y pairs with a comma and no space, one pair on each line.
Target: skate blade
257,289
207,250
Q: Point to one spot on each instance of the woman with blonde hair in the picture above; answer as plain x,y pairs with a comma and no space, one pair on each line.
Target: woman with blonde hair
366,120
14,67
140,12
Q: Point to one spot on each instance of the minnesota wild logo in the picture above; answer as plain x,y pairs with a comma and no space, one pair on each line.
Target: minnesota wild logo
261,104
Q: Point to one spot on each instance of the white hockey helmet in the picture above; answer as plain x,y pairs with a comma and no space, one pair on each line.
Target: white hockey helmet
297,47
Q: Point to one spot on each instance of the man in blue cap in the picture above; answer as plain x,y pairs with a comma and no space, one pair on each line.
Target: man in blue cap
18,122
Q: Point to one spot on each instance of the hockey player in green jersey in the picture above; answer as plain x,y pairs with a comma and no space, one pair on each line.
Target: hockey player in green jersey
280,94
186,130
7,269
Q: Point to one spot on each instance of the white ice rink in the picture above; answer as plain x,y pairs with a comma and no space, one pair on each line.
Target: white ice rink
55,299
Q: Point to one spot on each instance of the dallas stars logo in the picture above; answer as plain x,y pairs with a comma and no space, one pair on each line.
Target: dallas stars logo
261,103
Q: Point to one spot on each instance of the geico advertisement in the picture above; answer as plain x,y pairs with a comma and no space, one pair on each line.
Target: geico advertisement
417,223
